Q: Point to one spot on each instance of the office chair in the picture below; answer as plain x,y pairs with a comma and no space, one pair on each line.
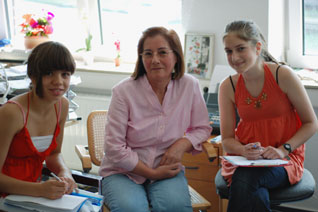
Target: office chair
94,152
302,190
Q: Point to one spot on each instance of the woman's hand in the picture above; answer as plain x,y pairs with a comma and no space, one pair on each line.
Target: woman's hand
166,171
253,151
273,153
175,152
52,189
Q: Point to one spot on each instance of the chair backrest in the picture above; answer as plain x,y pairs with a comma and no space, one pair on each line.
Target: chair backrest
96,122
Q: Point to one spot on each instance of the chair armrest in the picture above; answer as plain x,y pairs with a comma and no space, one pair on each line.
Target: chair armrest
211,152
83,154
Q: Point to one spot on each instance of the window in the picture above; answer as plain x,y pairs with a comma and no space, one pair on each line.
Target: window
310,27
106,20
124,20
303,34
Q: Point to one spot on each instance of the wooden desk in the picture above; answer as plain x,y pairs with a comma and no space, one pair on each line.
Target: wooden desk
201,170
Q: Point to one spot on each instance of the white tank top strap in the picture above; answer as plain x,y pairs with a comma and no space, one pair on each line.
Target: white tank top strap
21,108
60,108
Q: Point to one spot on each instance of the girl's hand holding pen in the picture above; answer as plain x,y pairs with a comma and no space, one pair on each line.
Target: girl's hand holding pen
70,184
253,151
52,189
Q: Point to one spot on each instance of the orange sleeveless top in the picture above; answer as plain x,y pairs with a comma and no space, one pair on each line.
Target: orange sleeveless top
24,161
270,119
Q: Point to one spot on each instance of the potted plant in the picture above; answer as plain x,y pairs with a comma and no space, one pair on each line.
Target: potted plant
87,56
36,28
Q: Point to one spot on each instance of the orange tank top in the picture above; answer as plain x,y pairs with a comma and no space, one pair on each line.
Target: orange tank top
270,119
24,161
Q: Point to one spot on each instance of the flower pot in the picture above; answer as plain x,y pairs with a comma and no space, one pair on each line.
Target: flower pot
33,41
88,57
117,61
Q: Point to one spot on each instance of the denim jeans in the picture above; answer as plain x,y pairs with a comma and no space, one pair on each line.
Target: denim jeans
121,194
249,188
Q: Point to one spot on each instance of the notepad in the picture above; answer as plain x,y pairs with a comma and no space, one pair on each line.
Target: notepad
242,161
84,201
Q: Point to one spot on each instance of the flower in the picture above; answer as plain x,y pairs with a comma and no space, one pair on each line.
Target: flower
37,25
117,44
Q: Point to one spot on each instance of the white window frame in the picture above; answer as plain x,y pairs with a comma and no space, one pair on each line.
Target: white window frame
295,56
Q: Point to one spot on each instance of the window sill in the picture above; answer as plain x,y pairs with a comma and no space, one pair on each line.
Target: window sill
106,67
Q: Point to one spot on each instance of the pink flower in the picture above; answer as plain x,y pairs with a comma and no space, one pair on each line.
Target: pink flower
37,25
117,44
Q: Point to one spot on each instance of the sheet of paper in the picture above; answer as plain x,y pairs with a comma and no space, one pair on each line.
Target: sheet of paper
220,72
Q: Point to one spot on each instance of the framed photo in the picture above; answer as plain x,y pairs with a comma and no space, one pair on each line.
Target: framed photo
198,51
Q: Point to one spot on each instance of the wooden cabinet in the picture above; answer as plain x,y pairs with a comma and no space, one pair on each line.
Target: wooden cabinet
200,173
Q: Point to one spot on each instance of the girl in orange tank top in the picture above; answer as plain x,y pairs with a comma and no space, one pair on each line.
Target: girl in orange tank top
276,118
50,66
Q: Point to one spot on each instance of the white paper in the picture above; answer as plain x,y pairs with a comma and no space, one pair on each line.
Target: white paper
242,161
219,73
66,203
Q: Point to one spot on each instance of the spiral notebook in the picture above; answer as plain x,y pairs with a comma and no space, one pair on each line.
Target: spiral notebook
242,161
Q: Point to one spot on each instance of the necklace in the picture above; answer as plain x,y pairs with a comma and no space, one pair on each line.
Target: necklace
257,102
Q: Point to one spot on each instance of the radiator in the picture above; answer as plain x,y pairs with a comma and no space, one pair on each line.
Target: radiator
77,134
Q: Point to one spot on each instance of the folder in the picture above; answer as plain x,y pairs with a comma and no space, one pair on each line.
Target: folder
242,161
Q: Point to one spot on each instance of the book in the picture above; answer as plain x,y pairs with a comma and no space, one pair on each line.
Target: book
82,201
242,161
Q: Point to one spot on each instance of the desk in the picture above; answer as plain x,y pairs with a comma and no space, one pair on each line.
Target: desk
201,170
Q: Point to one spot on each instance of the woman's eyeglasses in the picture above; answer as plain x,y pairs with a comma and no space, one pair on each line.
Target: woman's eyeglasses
161,53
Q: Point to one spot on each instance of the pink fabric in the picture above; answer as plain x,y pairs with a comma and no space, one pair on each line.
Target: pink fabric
140,128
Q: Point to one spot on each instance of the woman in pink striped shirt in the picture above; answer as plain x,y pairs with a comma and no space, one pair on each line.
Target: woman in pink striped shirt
154,117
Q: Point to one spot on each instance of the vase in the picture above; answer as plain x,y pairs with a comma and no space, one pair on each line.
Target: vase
117,61
33,41
88,58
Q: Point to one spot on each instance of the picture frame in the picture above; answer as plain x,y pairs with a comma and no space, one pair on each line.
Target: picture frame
199,53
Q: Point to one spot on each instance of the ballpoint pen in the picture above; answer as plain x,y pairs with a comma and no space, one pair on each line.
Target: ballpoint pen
59,179
56,177
255,146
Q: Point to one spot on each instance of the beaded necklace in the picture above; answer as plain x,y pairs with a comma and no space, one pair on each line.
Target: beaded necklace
257,102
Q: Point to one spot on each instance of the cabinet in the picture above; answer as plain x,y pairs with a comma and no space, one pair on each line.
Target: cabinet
200,173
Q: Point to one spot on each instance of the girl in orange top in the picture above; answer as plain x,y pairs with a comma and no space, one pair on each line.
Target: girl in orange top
276,118
31,127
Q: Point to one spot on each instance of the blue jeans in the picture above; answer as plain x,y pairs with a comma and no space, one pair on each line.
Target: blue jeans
121,194
249,188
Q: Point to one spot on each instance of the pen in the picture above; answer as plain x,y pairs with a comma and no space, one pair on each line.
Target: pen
56,177
255,146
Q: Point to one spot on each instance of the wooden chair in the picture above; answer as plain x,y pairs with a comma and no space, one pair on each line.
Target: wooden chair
94,152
